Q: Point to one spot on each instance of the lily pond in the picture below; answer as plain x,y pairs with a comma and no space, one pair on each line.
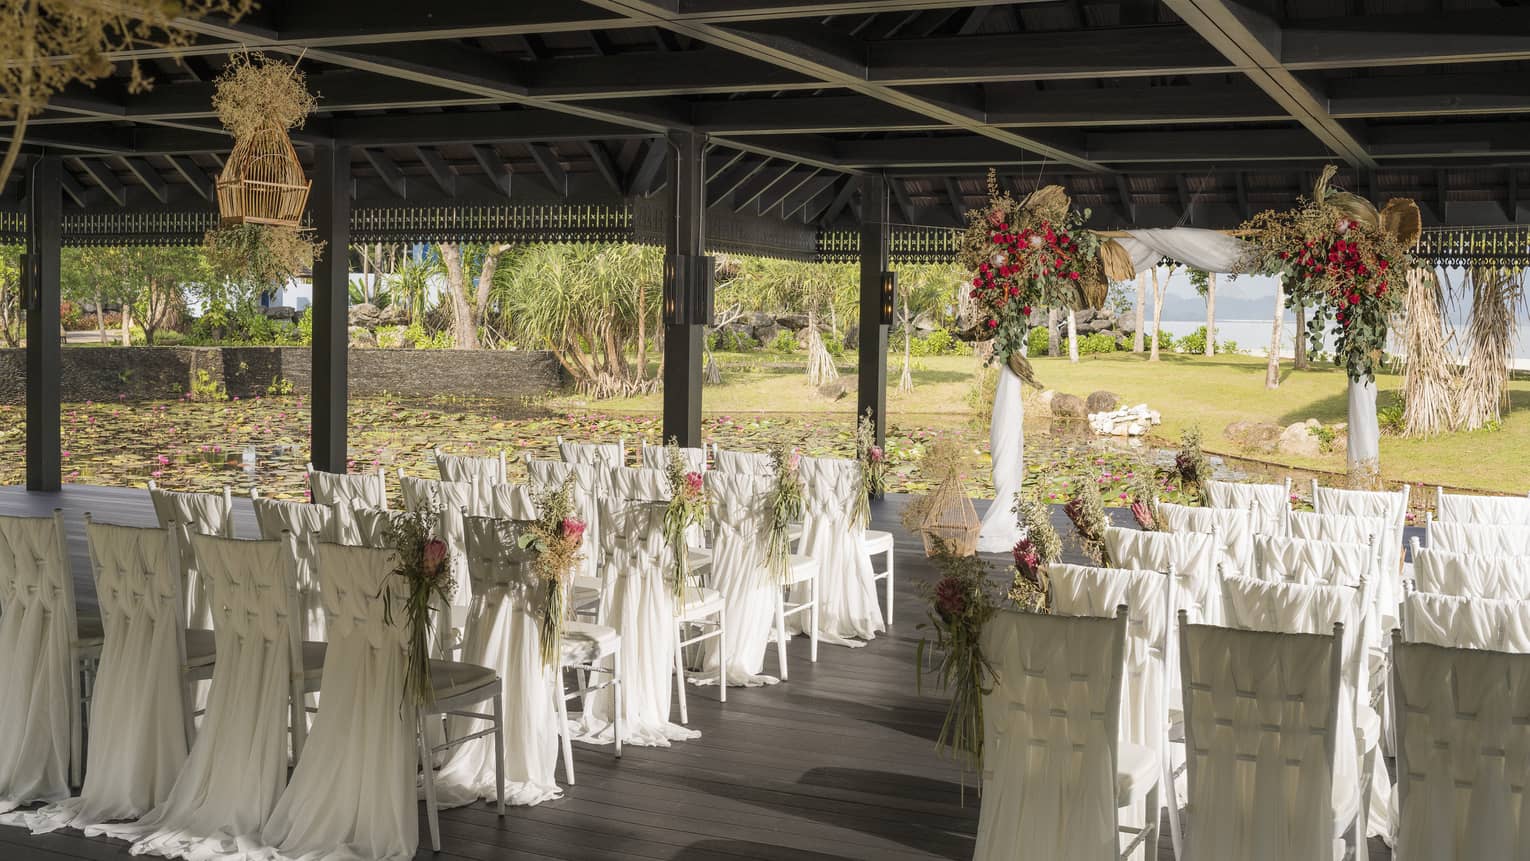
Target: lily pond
262,442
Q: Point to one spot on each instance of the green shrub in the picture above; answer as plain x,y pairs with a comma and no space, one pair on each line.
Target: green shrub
729,341
205,388
833,346
937,343
784,343
1390,416
1165,341
1036,341
1099,342
423,340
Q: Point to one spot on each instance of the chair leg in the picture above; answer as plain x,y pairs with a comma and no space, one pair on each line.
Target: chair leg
499,753
428,777
1171,800
781,633
813,616
189,704
299,718
680,673
76,720
568,749
889,587
618,698
1153,810
722,654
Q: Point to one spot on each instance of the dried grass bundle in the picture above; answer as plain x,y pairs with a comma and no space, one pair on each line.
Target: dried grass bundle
1430,378
255,91
1484,381
1116,262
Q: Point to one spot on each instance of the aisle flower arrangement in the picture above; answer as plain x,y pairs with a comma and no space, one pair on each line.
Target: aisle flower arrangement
1025,254
873,460
425,566
556,536
786,508
1040,547
1191,462
1087,511
961,602
1341,258
687,508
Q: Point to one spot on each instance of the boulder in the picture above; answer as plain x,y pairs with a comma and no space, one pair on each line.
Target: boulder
394,315
766,334
1065,405
1102,401
1045,398
792,321
280,312
1127,325
365,314
362,337
834,389
1298,440
1261,437
853,336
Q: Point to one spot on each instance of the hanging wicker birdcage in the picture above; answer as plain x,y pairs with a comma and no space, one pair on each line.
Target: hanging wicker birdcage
263,181
949,518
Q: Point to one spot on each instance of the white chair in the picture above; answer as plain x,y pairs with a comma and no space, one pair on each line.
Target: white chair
740,461
876,542
1463,747
604,454
1233,527
1471,575
449,499
848,613
590,484
355,784
237,766
1190,555
1467,623
1100,592
1271,503
1390,506
364,527
469,468
193,513
1482,510
40,663
657,457
1493,540
1261,718
1360,531
363,490
308,524
1300,560
139,728
509,501
1055,770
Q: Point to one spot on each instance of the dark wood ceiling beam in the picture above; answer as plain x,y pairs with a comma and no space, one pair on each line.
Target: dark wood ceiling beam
841,199
648,167
1215,146
604,164
387,170
954,197
806,115
474,127
439,169
194,175
1428,95
1457,36
72,187
494,167
552,169
148,177
1052,55
750,192
104,179
820,188
794,182
699,71
733,179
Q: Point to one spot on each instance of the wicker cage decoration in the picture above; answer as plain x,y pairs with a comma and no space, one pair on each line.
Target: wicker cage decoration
950,518
263,181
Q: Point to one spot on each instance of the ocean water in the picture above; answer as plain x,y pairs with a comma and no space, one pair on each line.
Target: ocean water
1253,337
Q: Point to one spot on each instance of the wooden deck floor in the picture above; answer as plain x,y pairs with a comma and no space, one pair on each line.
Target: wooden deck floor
837,763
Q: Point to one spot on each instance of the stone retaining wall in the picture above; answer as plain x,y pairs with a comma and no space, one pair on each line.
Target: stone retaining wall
160,373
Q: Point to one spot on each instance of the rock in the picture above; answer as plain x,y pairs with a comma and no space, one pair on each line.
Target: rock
1136,429
766,334
1261,437
365,314
362,337
1045,398
853,336
281,312
1103,401
792,321
1298,440
1127,326
834,389
1065,405
924,324
394,315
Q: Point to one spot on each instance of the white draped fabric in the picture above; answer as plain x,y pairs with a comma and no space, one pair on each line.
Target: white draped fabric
37,675
1049,782
1467,623
1464,758
740,529
639,604
1361,530
1208,250
479,473
848,613
1300,560
450,499
192,513
1472,575
504,630
352,795
1493,540
1467,508
511,502
238,765
1362,452
1234,528
590,483
1006,442
367,490
657,457
601,454
309,525
1271,503
1190,555
1257,708
741,461
138,728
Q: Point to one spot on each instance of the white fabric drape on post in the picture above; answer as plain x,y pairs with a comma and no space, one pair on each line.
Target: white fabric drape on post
740,524
848,611
1363,453
1006,443
1209,250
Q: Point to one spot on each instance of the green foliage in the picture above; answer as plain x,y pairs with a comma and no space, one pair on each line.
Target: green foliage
205,388
730,341
1099,342
1165,341
1036,341
1195,344
784,343
1390,415
423,340
70,315
305,327
937,343
1325,436
280,386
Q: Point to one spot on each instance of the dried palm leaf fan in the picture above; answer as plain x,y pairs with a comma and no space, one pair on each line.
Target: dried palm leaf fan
1117,263
258,100
1401,218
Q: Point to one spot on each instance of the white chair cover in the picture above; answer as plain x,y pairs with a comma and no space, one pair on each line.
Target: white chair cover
740,461
37,672
511,502
238,764
364,527
469,468
601,454
740,571
138,727
1390,506
590,484
352,795
365,490
1360,530
848,612
1301,560
1258,712
192,513
1050,735
657,457
1463,735
1472,575
639,604
1484,510
1234,527
504,630
450,499
1190,555
1467,623
1493,540
1081,591
1269,502
308,525
640,484
1313,608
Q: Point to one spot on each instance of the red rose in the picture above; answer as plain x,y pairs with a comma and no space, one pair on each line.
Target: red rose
992,323
1026,310
1354,298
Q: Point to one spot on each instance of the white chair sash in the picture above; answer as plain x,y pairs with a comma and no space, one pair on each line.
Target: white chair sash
1467,623
1361,530
740,572
512,502
1301,560
1482,510
741,461
1472,575
470,469
1493,540
308,525
1234,528
1190,555
366,490
192,513
1269,502
847,596
657,457
601,454
591,483
450,499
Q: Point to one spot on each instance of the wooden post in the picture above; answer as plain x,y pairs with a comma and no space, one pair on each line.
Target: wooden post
331,306
44,353
686,235
871,383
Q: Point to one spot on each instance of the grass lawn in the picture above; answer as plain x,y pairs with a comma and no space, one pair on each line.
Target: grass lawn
1188,390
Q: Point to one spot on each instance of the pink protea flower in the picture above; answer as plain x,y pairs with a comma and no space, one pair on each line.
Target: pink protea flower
434,557
1144,515
573,529
1027,560
876,455
693,482
794,460
950,598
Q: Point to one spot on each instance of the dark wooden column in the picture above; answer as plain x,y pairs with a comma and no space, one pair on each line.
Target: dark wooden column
873,342
331,301
44,354
685,238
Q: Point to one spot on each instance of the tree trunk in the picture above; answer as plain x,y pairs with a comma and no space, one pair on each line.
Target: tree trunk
1272,366
1052,348
464,333
906,381
1299,354
1211,313
1141,296
642,332
1072,336
151,312
1157,315
127,324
